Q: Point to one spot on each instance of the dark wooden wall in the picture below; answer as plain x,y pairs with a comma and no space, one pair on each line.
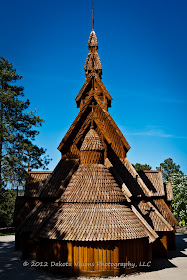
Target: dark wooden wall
85,256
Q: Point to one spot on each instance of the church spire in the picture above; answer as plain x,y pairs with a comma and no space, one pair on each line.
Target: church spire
93,63
93,72
93,3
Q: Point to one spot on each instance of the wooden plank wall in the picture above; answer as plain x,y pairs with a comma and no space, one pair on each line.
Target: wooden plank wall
97,258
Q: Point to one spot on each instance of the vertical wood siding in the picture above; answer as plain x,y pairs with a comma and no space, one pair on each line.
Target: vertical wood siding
87,258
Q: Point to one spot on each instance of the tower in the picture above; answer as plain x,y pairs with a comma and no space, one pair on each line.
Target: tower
94,210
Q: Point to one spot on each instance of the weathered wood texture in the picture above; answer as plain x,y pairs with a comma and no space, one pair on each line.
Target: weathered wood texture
96,258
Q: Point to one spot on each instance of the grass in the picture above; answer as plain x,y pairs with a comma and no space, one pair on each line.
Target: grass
4,234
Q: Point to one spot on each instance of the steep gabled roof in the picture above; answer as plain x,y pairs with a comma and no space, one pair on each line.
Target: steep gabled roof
58,180
152,234
88,80
35,181
153,216
154,182
22,213
40,214
80,119
134,185
165,211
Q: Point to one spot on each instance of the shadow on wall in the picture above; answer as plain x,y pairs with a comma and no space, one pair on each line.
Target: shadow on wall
162,263
11,265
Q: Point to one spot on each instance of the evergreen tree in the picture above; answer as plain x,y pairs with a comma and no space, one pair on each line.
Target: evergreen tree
169,168
18,129
7,203
139,166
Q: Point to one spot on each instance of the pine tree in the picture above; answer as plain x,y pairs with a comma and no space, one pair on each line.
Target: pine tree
169,168
18,129
140,167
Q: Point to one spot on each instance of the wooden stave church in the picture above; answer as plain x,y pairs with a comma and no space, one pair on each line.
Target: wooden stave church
130,213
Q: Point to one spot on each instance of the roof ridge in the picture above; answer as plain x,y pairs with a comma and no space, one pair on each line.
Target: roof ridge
153,234
134,173
108,116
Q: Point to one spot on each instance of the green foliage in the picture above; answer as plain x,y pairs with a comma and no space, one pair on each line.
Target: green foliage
179,204
169,168
7,203
18,129
139,166
182,223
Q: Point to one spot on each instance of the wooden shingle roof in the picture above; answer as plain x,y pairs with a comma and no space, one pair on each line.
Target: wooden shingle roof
92,142
35,181
56,183
165,211
169,191
154,182
105,123
92,183
88,81
93,222
92,62
33,221
28,206
92,41
153,216
128,175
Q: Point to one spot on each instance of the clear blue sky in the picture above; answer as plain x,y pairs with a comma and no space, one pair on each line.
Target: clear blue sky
143,50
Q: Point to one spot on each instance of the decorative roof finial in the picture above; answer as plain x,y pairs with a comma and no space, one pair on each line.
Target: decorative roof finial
93,3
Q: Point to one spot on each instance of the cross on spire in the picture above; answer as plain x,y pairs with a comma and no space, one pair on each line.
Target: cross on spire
93,3
92,106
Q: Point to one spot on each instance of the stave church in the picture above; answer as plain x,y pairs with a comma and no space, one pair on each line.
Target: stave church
94,213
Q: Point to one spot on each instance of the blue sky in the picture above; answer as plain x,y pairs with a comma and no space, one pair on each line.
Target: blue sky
143,51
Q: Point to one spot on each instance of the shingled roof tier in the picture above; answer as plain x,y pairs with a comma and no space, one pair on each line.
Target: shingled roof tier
165,211
56,183
128,175
94,193
153,216
24,210
93,222
34,220
92,183
154,182
84,89
92,62
92,41
35,180
105,123
92,142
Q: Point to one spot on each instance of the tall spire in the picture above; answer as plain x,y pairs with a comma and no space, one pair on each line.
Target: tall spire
93,63
93,3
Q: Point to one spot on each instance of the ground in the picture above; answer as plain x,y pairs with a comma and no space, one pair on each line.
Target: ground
175,267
